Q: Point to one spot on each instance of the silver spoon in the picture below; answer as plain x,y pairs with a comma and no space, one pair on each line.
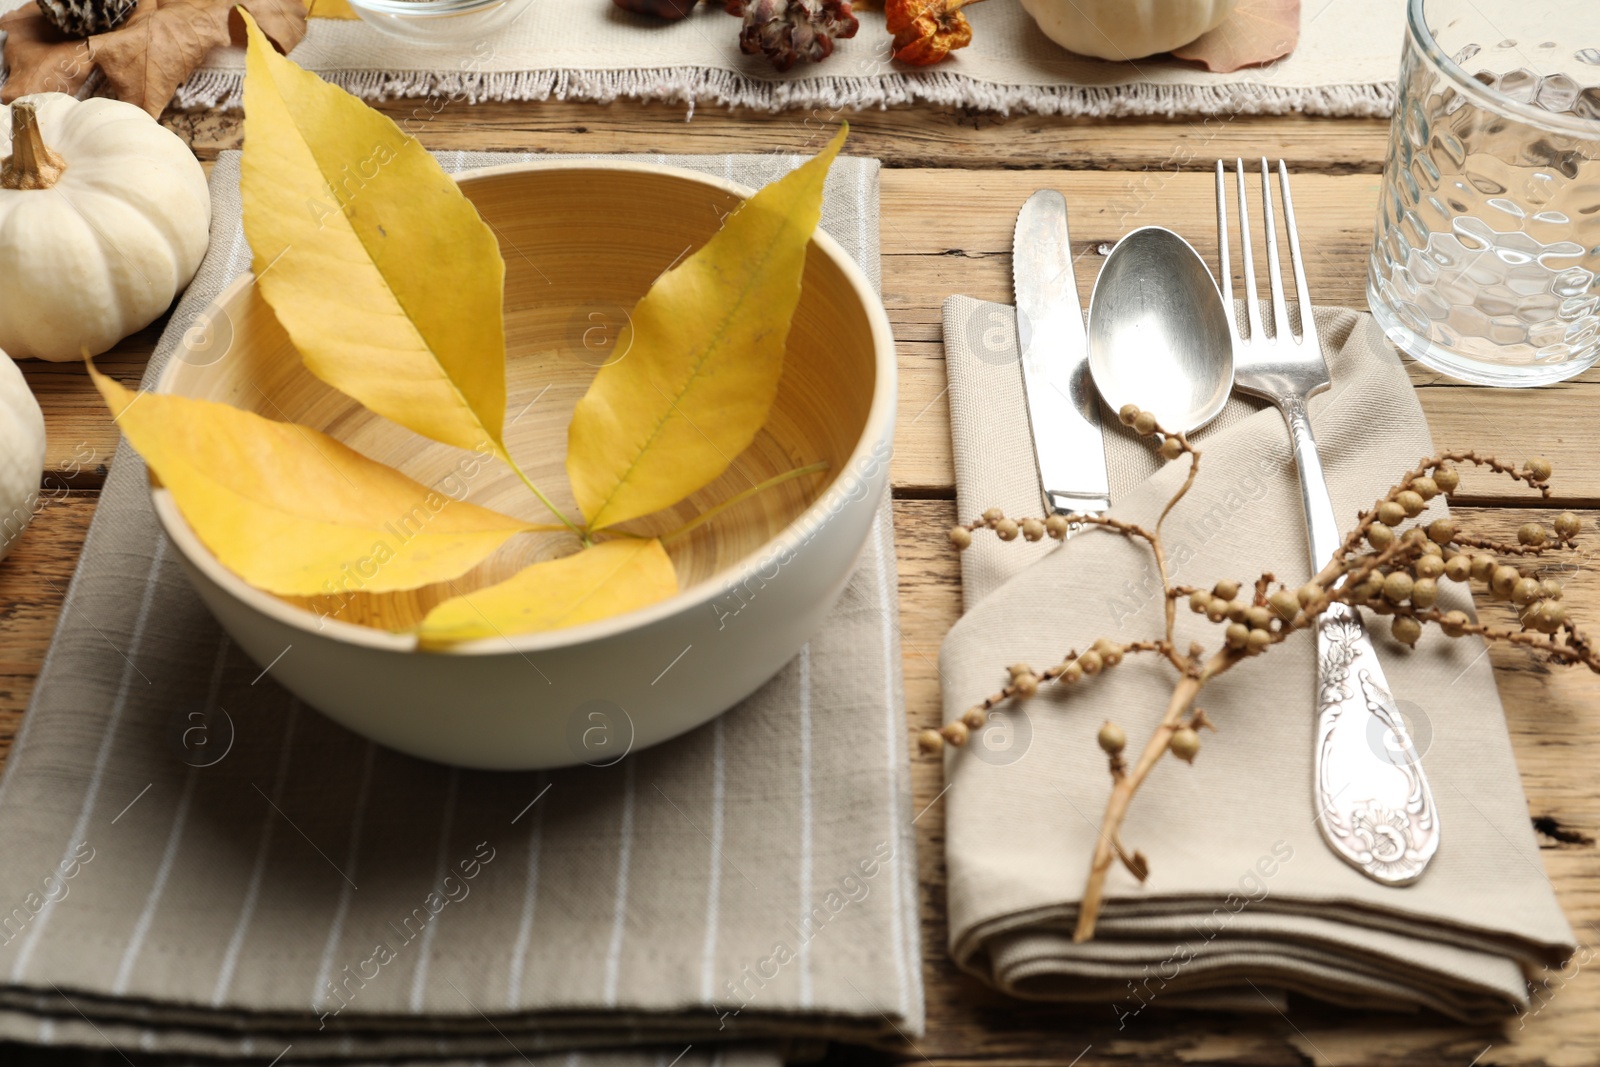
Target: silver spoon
1158,331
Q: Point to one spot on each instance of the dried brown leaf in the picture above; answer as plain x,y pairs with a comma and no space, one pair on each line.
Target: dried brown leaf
1258,31
41,59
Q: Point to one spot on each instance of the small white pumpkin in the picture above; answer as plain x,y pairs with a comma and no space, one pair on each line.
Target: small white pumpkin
104,217
1126,29
21,453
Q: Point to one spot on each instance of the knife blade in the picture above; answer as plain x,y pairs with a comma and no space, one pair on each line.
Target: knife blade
1063,409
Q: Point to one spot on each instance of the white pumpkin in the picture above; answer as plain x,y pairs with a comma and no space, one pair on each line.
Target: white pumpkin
1126,29
104,217
21,453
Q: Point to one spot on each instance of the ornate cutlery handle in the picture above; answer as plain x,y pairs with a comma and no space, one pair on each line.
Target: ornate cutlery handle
1374,807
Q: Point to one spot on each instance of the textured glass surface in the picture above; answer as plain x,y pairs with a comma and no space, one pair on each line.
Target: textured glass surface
1487,248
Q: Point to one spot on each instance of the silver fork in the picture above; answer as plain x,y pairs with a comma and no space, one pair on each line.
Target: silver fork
1373,803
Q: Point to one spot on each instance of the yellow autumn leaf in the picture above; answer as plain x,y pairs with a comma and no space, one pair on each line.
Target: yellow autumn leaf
704,352
295,512
607,579
384,275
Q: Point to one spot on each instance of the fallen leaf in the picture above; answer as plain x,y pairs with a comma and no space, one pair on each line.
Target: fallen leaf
381,271
331,9
295,512
607,579
1257,32
704,352
146,58
40,58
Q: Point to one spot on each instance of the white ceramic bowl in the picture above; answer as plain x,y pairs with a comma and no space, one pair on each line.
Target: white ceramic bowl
581,239
440,22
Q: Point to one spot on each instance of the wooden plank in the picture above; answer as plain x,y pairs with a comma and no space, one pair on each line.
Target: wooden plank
1555,730
917,136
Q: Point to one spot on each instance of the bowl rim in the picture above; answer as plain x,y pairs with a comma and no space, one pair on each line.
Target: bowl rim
879,427
424,9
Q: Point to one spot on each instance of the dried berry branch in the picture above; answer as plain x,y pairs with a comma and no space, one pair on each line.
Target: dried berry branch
1388,570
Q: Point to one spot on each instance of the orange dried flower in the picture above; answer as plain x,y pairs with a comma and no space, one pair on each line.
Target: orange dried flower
925,31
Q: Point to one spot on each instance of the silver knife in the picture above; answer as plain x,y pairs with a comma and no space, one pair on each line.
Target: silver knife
1063,408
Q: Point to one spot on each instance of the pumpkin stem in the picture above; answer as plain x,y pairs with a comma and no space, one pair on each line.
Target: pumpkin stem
31,164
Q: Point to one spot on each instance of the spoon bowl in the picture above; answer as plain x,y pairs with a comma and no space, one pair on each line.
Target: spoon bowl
1158,331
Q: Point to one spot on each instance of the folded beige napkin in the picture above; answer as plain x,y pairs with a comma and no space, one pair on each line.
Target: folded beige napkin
1242,892
194,865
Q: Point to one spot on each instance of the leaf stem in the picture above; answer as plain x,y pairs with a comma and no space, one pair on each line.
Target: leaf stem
566,522
739,498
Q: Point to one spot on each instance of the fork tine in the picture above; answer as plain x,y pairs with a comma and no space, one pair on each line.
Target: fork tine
1302,292
1280,309
1252,303
1222,251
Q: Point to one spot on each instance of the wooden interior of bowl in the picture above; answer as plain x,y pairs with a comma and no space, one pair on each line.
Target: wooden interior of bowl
582,244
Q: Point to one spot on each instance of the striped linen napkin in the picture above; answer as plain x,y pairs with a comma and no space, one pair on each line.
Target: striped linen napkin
1242,895
282,888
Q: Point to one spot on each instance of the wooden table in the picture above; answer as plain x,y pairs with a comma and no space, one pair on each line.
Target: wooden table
951,189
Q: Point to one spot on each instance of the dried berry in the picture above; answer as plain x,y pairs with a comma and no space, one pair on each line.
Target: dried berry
1458,568
1524,591
1429,567
1026,685
1446,478
1390,513
1550,589
993,515
1199,601
1171,448
1071,672
1539,468
1236,635
1483,566
1454,623
1567,525
955,733
961,537
1258,617
1227,589
1285,604
1091,662
1552,616
1144,424
1425,487
1006,529
929,742
1308,594
1411,501
1441,531
1424,592
1530,534
1406,630
975,718
1112,739
1032,529
1056,527
1217,609
1397,587
1501,581
1109,651
1258,641
1185,744
1127,413
792,31
1380,536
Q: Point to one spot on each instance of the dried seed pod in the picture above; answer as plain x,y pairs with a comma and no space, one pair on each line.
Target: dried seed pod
1448,479
1551,589
1017,670
1483,566
1411,501
955,732
1199,601
1501,580
1109,651
1524,591
1391,513
1406,630
1540,468
1127,413
1238,611
929,742
1071,672
1308,594
1567,525
1217,609
1425,487
1227,589
1112,739
1185,744
1091,662
1258,641
1144,424
1285,604
975,719
1442,531
1379,536
1236,635
1171,448
1424,592
1032,529
961,537
1027,685
1006,529
1458,568
790,31
993,515
1454,623
1056,527
1429,567
1530,534
1397,587
1258,617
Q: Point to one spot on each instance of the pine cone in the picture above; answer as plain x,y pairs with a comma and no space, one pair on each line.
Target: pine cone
786,31
85,18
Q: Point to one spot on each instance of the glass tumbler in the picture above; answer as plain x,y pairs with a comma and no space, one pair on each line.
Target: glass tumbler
1487,248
